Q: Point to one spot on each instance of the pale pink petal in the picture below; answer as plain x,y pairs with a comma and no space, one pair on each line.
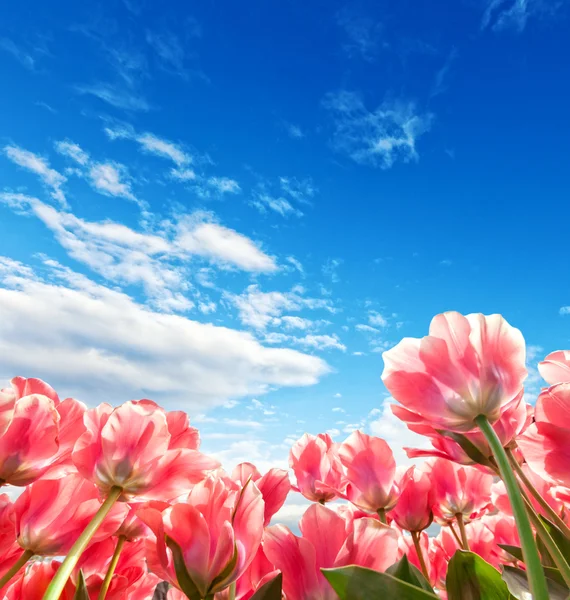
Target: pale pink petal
555,368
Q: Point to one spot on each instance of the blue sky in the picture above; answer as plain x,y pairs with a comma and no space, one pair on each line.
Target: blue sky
233,209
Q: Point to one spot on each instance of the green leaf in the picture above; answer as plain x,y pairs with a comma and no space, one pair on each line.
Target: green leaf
517,583
468,447
514,551
358,583
161,591
404,571
81,592
559,538
469,577
270,590
182,576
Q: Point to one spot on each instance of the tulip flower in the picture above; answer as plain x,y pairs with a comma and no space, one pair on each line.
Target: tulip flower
28,438
504,532
555,368
481,541
466,367
413,511
258,573
215,534
33,583
274,486
130,447
546,444
370,472
325,544
512,423
421,555
51,514
317,467
458,490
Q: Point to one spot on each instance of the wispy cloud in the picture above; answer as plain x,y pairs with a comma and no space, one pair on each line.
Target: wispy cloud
310,341
283,197
330,269
40,166
564,310
363,35
119,98
514,14
169,51
378,138
259,309
108,178
294,131
23,57
440,82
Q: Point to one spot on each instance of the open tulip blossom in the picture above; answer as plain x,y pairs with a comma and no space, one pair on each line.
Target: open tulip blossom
118,502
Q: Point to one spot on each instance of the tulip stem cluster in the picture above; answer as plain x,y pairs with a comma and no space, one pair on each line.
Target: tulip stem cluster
112,566
57,584
552,515
22,561
536,578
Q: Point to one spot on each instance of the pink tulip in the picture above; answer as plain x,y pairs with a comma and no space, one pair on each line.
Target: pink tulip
458,490
33,582
325,544
259,572
274,486
512,423
481,541
370,471
504,532
413,512
546,443
51,514
317,467
130,578
218,530
132,528
555,368
465,367
29,430
130,447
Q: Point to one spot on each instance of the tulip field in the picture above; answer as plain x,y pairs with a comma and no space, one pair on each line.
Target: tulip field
118,502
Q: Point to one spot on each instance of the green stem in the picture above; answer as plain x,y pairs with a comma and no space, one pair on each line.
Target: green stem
550,544
457,538
536,578
550,512
417,546
62,575
461,524
24,558
382,515
112,566
232,591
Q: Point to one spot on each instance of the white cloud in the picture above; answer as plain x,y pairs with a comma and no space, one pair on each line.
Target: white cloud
376,138
385,425
160,147
294,131
78,335
366,328
155,261
224,185
73,151
111,179
363,35
515,14
376,319
359,354
40,166
259,309
338,395
297,322
338,409
23,57
116,96
284,197
169,51
564,310
296,264
199,234
330,269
